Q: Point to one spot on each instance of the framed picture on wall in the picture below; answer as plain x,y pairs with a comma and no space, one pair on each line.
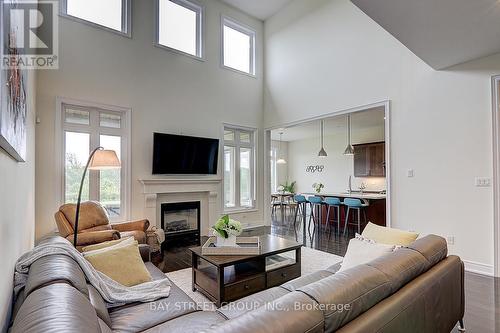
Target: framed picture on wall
13,109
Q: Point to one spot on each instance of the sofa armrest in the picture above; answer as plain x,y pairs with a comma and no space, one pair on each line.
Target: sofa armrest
94,237
142,225
145,252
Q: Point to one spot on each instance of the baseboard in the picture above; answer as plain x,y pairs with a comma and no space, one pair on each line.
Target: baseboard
479,268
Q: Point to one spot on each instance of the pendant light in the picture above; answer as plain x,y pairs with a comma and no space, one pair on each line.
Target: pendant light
350,149
322,152
280,160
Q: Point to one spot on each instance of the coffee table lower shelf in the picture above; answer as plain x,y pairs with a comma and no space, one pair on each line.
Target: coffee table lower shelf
243,276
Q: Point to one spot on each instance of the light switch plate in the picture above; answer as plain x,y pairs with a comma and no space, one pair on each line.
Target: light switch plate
411,173
483,182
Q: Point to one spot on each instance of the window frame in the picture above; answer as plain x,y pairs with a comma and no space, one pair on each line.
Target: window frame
200,28
124,132
237,145
126,30
234,24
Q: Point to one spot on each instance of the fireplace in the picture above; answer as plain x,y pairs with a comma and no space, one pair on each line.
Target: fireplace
181,221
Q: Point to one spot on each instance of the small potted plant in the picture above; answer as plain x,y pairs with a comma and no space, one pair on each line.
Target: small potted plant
226,230
317,187
288,187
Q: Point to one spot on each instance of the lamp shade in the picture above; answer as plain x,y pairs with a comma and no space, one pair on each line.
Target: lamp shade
349,150
104,159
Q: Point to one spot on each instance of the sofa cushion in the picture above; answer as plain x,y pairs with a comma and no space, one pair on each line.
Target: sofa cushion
432,247
54,268
402,266
305,280
191,323
137,317
347,294
99,305
104,327
56,308
252,302
293,313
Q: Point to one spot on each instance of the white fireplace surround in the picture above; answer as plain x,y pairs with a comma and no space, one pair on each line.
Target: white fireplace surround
171,190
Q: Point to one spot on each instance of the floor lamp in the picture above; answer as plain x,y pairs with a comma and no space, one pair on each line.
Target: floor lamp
99,159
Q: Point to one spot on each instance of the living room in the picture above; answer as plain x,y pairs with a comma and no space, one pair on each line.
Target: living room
239,72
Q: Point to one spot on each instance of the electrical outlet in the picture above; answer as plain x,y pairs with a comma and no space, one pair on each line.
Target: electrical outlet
483,182
410,173
450,240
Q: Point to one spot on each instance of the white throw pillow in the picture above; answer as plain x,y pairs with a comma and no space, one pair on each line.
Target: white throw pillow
361,251
125,242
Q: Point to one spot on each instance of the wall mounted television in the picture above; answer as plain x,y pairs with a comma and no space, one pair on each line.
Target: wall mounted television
184,155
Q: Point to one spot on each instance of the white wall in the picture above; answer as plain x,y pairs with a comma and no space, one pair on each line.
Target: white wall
338,168
167,92
17,208
327,55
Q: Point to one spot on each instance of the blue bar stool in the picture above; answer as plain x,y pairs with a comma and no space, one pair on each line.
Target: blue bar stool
316,204
334,203
301,207
357,205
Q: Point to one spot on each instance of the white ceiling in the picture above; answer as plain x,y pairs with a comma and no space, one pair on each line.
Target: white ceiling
261,9
359,120
442,33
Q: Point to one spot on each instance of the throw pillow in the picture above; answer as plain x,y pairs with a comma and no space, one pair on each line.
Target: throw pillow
123,264
361,251
106,245
389,236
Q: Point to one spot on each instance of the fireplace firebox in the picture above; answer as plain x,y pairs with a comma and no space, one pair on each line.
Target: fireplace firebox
181,221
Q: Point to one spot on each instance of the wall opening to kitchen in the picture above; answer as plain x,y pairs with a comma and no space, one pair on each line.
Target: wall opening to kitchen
346,153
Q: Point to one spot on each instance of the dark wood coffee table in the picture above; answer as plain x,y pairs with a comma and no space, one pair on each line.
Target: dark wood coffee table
224,279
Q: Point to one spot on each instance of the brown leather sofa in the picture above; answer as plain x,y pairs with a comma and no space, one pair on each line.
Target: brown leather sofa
414,289
94,226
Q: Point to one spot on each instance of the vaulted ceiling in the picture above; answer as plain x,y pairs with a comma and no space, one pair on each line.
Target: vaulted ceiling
261,9
442,33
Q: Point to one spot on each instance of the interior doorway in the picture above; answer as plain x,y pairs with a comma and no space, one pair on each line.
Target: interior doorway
298,147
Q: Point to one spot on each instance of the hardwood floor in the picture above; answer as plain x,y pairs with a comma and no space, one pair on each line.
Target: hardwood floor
482,314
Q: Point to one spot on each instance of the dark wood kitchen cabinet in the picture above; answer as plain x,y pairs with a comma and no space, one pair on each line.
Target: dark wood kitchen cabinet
369,160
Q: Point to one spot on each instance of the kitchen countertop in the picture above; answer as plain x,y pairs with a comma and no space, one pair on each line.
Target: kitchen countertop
356,195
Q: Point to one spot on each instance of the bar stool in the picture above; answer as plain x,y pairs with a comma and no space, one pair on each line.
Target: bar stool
357,205
334,203
301,206
316,203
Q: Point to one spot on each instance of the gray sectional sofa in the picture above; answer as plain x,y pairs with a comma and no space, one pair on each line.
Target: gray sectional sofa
414,289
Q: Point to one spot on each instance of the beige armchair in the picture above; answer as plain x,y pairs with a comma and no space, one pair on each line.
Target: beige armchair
94,226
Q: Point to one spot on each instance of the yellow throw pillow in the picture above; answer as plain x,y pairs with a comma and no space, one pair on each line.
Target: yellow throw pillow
388,236
103,245
123,264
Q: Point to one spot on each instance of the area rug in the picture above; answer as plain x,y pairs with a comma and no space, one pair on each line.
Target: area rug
311,261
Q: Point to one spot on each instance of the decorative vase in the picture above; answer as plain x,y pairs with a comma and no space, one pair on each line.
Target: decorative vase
224,242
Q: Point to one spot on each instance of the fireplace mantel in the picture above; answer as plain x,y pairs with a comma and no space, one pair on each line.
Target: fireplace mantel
165,190
153,185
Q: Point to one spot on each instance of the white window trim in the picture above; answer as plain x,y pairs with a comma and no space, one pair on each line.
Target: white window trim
232,23
126,19
126,153
200,40
253,145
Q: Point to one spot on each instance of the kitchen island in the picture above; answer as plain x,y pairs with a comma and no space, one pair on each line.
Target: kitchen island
375,211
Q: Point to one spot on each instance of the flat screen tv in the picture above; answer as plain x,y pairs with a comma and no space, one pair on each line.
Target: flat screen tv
178,155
